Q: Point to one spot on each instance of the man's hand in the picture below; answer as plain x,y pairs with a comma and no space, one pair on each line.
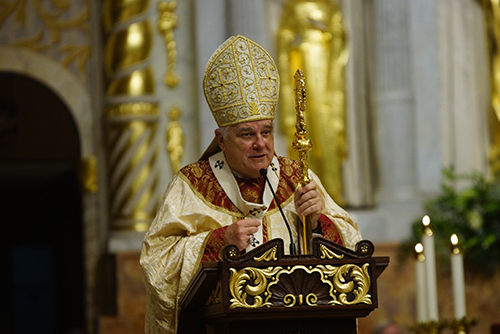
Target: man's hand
238,233
308,201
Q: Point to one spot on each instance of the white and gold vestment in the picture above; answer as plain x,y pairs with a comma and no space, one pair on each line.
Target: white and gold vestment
241,84
190,224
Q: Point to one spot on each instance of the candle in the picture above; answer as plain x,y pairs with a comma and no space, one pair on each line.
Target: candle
420,283
430,270
457,274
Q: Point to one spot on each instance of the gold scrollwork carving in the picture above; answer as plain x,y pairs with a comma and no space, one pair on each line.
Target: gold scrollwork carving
328,254
360,276
240,289
166,25
290,300
311,299
268,256
335,277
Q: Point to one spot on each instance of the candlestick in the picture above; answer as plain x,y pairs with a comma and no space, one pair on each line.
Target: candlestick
429,327
457,274
462,326
421,284
430,269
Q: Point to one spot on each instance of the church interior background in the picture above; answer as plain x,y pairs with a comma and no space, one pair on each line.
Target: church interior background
101,102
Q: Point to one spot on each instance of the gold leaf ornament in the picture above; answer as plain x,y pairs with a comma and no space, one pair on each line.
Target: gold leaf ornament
360,276
240,290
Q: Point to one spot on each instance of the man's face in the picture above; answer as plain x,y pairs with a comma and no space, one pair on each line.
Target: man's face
248,147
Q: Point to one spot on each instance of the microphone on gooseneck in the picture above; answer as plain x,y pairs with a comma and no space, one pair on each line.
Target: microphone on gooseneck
293,250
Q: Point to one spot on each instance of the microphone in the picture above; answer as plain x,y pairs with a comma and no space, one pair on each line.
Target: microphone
293,250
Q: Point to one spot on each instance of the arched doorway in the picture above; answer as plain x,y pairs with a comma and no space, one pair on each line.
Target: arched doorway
40,209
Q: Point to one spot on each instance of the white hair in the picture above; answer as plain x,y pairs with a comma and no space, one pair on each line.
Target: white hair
224,131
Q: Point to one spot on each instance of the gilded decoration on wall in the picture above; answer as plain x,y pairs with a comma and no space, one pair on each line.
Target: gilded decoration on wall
57,28
312,37
175,139
347,284
88,174
166,25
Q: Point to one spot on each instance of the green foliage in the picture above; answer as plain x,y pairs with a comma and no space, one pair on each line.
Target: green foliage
473,214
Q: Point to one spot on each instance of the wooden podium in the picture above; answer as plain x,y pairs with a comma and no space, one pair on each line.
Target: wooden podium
265,291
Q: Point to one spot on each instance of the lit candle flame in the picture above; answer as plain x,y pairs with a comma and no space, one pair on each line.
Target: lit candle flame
419,248
419,252
426,220
455,248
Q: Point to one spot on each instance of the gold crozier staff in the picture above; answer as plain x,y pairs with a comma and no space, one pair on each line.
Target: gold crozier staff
302,145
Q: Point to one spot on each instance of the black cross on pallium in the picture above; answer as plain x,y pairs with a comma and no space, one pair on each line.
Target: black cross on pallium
273,168
254,242
219,164
254,211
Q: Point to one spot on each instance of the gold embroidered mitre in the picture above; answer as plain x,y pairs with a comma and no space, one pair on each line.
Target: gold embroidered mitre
241,82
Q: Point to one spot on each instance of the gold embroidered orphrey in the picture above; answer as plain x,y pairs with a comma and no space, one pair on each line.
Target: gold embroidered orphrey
241,82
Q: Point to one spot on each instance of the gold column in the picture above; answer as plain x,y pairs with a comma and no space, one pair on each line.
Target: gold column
131,115
491,10
311,37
